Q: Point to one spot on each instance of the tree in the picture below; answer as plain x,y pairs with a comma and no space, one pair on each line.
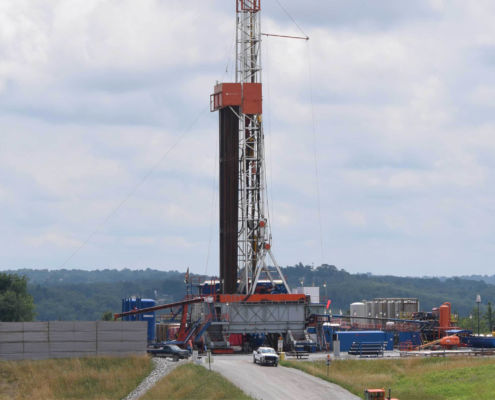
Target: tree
16,304
489,316
107,316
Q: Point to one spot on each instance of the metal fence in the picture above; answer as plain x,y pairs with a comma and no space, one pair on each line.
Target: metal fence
65,339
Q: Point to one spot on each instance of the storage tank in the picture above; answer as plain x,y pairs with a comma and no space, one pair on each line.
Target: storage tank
375,310
400,309
411,306
391,309
444,319
369,312
358,309
450,309
383,308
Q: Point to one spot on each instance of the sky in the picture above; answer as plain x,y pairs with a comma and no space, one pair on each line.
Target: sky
379,133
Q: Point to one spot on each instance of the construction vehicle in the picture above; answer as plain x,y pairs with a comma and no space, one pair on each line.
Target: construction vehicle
377,394
447,342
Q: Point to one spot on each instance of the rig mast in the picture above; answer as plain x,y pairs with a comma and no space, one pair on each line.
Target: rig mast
245,238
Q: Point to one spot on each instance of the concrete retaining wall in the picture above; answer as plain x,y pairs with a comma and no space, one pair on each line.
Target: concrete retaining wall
63,339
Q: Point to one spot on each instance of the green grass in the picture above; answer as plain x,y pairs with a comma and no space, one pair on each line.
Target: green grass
95,378
411,379
191,381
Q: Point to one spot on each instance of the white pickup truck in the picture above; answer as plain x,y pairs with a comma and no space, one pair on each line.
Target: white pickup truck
265,356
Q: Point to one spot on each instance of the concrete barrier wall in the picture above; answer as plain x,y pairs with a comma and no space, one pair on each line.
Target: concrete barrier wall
65,339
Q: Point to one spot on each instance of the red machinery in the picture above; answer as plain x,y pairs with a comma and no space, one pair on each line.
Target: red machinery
450,341
183,332
377,394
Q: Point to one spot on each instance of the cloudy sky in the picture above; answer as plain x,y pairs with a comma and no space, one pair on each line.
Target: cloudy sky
108,151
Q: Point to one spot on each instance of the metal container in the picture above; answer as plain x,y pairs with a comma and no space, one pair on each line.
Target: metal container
358,309
133,303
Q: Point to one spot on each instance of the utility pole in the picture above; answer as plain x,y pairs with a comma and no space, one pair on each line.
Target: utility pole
478,301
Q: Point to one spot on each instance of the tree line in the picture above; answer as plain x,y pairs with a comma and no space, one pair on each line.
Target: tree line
86,295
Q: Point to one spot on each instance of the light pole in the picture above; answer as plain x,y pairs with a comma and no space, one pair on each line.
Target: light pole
478,301
325,286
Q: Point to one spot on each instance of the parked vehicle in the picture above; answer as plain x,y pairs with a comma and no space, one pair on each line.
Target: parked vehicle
265,356
169,350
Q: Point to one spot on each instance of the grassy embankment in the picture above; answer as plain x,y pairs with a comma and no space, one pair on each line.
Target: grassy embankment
411,379
191,381
78,378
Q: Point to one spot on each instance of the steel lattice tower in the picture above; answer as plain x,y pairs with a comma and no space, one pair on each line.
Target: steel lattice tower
245,238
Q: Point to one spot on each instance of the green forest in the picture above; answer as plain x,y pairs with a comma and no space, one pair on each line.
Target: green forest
87,295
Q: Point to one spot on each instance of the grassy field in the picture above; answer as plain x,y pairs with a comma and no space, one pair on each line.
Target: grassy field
412,379
77,378
190,381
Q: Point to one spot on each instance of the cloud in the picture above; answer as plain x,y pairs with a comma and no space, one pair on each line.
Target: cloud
53,239
106,129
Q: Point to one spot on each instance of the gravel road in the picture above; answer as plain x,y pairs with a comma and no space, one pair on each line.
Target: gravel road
162,367
267,383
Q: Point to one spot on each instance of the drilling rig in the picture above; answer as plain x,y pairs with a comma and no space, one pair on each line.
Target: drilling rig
245,238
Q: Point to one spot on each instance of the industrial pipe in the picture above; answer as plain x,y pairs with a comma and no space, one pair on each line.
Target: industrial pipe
159,307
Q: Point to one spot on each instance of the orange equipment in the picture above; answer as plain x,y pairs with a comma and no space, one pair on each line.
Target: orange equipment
444,321
246,95
376,394
450,341
260,298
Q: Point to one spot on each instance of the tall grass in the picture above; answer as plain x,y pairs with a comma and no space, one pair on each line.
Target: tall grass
191,382
77,378
412,379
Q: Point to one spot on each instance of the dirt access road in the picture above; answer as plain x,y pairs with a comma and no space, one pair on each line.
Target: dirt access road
267,383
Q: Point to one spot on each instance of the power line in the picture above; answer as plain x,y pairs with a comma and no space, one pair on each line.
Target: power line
315,152
292,18
134,189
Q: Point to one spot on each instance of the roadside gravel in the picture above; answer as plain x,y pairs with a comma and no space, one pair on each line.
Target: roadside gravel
162,367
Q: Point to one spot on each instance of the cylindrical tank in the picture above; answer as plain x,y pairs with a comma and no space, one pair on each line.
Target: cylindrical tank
450,310
444,320
391,309
384,309
358,309
398,309
369,311
376,310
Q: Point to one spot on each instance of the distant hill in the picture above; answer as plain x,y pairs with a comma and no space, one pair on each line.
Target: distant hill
75,276
344,288
485,278
86,295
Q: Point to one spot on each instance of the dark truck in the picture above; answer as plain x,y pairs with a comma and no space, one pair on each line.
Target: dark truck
169,350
